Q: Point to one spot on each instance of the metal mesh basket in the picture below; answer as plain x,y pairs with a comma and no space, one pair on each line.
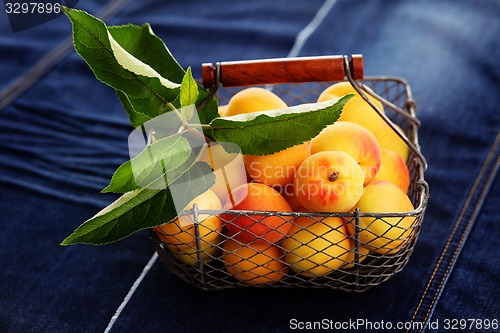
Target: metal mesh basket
334,250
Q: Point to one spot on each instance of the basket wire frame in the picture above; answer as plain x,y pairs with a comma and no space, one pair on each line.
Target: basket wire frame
199,264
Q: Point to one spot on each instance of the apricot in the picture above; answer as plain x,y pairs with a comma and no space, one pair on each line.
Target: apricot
181,231
229,169
389,234
189,255
288,193
329,181
389,139
253,99
222,110
315,248
351,256
356,110
277,169
354,140
253,264
394,170
257,229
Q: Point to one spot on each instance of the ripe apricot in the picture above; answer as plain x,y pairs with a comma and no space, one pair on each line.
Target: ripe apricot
354,140
386,235
189,255
253,264
277,169
229,169
329,181
314,248
257,228
288,193
181,231
393,169
253,99
351,257
356,109
222,110
389,139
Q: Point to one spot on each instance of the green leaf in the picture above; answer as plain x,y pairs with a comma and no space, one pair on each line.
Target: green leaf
148,92
188,95
156,161
189,90
150,82
136,118
143,44
142,209
210,110
207,107
263,133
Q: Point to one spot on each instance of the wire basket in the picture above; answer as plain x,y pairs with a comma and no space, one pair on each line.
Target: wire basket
334,250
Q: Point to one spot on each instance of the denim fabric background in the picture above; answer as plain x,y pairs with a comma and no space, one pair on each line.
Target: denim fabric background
63,136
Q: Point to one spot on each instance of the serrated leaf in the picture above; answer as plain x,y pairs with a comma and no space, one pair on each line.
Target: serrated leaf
263,133
206,106
143,44
188,95
136,118
147,91
157,160
141,209
210,110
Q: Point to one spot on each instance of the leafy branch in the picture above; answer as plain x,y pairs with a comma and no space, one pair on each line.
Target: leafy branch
151,84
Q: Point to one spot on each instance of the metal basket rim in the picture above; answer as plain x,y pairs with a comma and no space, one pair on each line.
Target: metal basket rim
420,191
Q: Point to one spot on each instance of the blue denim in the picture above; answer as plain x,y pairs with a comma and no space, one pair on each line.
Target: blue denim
63,133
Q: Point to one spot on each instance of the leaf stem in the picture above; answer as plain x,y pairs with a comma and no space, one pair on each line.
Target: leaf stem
202,126
173,108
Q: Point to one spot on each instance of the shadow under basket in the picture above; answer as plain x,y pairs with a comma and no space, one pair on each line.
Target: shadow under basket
329,257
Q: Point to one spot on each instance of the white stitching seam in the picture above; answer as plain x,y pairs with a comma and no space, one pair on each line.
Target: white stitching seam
132,290
473,190
309,29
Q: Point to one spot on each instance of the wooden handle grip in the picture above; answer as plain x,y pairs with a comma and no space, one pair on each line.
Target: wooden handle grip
281,70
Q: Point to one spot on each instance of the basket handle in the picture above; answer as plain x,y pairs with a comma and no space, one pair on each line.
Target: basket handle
280,70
